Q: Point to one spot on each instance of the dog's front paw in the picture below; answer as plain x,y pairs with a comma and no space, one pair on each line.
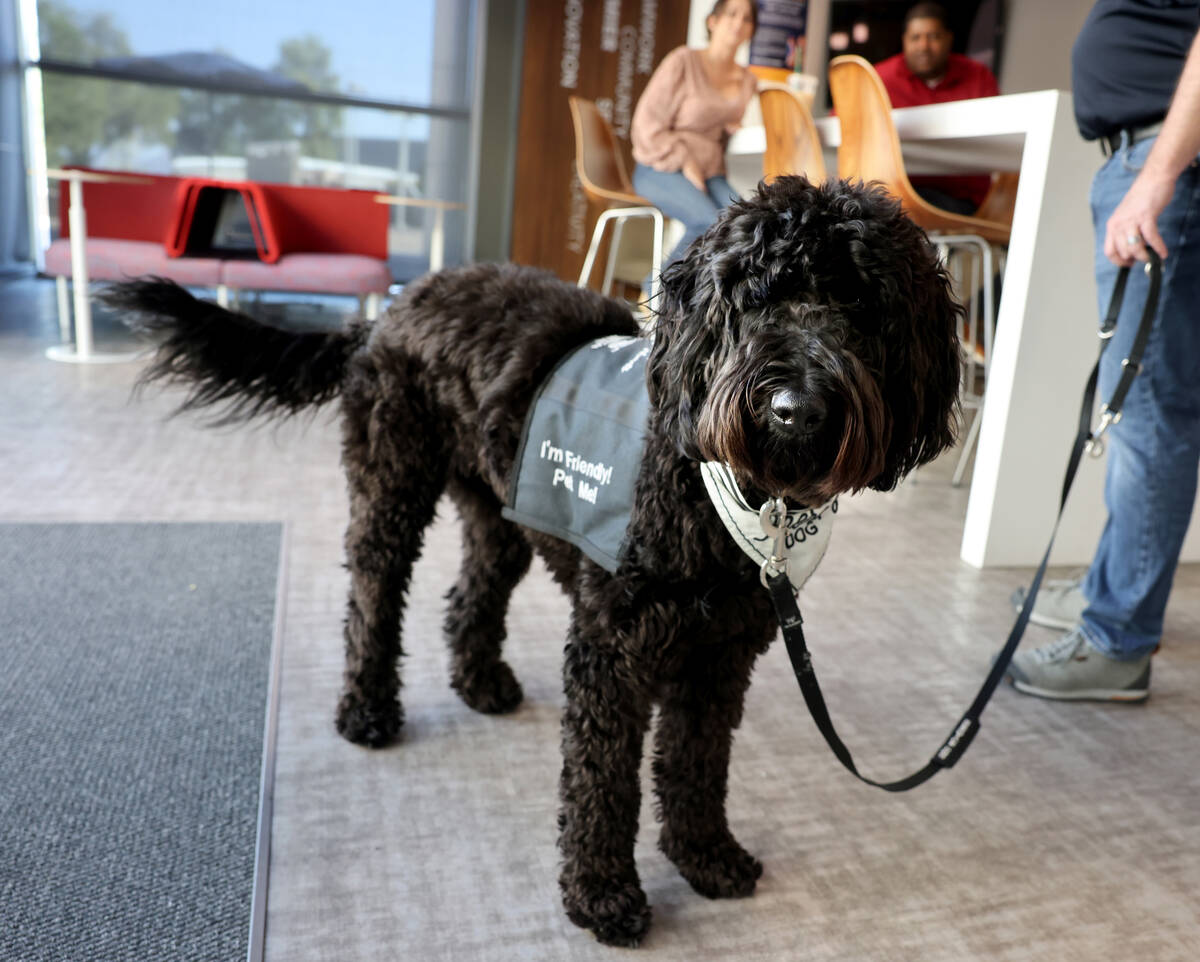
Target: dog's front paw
368,723
616,912
493,690
716,868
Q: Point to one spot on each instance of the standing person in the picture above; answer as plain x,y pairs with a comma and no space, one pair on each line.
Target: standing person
1136,78
926,72
693,102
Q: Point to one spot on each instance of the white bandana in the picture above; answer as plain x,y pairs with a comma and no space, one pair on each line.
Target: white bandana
808,529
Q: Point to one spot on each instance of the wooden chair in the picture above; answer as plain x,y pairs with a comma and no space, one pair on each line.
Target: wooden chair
602,174
870,151
1001,199
793,146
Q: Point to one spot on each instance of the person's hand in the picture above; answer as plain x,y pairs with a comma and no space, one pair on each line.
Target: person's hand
1134,224
691,170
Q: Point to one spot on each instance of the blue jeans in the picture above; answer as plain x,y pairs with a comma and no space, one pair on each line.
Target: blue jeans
1154,450
677,197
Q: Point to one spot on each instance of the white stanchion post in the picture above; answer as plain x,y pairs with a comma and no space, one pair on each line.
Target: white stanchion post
437,240
79,272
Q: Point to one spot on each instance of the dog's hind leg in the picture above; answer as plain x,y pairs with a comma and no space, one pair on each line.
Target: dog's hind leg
396,469
496,556
698,712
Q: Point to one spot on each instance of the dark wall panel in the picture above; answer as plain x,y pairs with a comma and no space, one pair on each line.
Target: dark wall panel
603,50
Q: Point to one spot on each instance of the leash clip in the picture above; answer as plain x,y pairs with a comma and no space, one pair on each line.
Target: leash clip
1095,442
773,518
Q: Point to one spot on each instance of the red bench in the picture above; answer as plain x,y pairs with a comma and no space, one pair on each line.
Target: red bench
310,239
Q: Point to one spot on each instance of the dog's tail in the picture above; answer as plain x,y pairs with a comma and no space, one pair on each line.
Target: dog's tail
241,366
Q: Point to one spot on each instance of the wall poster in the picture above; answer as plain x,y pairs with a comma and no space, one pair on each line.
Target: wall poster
779,40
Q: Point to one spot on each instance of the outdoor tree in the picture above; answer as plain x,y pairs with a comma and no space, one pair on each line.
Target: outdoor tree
307,60
83,114
219,123
86,114
222,123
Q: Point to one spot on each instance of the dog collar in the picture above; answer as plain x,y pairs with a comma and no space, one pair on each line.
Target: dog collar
807,529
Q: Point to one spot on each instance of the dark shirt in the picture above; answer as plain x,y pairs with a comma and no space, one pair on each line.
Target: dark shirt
965,79
1126,62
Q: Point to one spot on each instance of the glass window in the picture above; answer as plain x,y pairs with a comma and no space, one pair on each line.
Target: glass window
288,92
383,49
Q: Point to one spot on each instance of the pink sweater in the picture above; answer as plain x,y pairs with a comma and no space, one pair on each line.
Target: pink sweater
681,115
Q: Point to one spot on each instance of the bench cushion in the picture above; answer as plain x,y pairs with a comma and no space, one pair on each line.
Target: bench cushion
121,260
354,274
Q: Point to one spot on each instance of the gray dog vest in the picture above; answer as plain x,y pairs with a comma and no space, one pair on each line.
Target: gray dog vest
582,447
581,452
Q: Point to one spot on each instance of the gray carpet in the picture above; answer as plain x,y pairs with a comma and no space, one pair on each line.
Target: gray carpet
134,665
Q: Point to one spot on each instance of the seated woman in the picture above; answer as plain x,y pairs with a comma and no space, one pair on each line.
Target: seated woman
693,102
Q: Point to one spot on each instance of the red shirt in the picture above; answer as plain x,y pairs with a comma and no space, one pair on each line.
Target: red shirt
965,79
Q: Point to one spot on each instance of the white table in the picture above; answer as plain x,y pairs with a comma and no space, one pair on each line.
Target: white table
437,237
1048,315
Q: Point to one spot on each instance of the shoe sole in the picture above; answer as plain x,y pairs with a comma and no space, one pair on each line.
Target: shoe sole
1082,694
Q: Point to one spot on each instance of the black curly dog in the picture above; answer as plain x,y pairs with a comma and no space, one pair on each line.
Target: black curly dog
827,299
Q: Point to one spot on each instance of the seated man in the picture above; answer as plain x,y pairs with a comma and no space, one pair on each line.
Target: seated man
928,73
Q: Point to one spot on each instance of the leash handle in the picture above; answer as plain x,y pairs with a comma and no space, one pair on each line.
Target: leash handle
1131,366
964,732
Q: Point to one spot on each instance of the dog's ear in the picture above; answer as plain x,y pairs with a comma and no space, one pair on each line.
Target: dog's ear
692,333
921,363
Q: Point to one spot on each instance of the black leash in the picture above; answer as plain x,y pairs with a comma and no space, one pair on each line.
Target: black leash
774,574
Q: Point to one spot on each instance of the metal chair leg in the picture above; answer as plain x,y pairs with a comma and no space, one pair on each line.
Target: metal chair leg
656,256
613,247
590,260
964,457
620,215
987,336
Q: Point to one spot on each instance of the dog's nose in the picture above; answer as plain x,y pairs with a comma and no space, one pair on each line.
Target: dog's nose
794,412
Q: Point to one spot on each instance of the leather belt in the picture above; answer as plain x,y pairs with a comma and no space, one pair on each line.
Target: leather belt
1127,137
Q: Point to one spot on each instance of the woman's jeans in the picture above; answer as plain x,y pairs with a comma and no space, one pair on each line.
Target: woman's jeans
677,197
1154,450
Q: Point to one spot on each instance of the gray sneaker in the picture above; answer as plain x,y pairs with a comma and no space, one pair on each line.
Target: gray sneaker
1072,668
1059,604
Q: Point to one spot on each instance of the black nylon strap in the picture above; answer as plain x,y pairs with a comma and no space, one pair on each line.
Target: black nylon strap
964,731
1132,365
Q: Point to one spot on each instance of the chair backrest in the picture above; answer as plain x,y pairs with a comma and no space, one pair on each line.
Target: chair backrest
870,149
793,146
1001,198
598,157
